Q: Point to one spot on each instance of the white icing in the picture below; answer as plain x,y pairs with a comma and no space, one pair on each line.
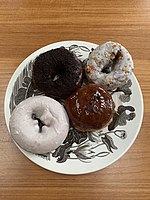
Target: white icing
101,57
25,130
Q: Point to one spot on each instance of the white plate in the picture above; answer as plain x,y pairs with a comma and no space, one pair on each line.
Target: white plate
87,152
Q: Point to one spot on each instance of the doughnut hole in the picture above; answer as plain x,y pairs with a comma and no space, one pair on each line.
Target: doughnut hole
43,117
114,58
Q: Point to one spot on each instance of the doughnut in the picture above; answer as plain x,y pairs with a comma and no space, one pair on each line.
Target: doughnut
109,65
90,108
39,124
57,73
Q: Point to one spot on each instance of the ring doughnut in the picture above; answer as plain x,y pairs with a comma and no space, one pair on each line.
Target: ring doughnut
57,73
39,124
109,65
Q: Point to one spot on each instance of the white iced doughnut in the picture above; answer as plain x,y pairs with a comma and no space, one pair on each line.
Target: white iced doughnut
109,65
39,124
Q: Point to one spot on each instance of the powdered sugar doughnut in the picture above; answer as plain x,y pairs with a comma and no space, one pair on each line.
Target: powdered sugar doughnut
39,124
109,65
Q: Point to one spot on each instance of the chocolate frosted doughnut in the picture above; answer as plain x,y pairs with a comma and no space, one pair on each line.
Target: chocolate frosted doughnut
57,73
109,65
90,108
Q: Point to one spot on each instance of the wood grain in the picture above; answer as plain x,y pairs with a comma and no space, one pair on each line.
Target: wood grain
28,25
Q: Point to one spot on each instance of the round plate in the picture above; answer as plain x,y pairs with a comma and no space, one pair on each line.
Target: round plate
82,152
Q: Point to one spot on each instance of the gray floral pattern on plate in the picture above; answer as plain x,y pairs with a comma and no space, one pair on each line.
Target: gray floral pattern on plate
87,145
84,146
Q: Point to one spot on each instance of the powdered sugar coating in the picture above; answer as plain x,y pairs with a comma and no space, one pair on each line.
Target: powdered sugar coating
109,55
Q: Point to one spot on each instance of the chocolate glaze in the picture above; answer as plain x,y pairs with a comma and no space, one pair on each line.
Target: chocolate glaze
90,108
57,73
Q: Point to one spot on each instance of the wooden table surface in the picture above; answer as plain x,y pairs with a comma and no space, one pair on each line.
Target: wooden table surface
26,26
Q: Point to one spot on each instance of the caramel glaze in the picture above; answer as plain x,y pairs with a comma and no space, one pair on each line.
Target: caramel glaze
90,108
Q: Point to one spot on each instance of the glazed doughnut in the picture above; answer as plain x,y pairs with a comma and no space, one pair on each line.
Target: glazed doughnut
39,124
109,65
90,108
57,73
